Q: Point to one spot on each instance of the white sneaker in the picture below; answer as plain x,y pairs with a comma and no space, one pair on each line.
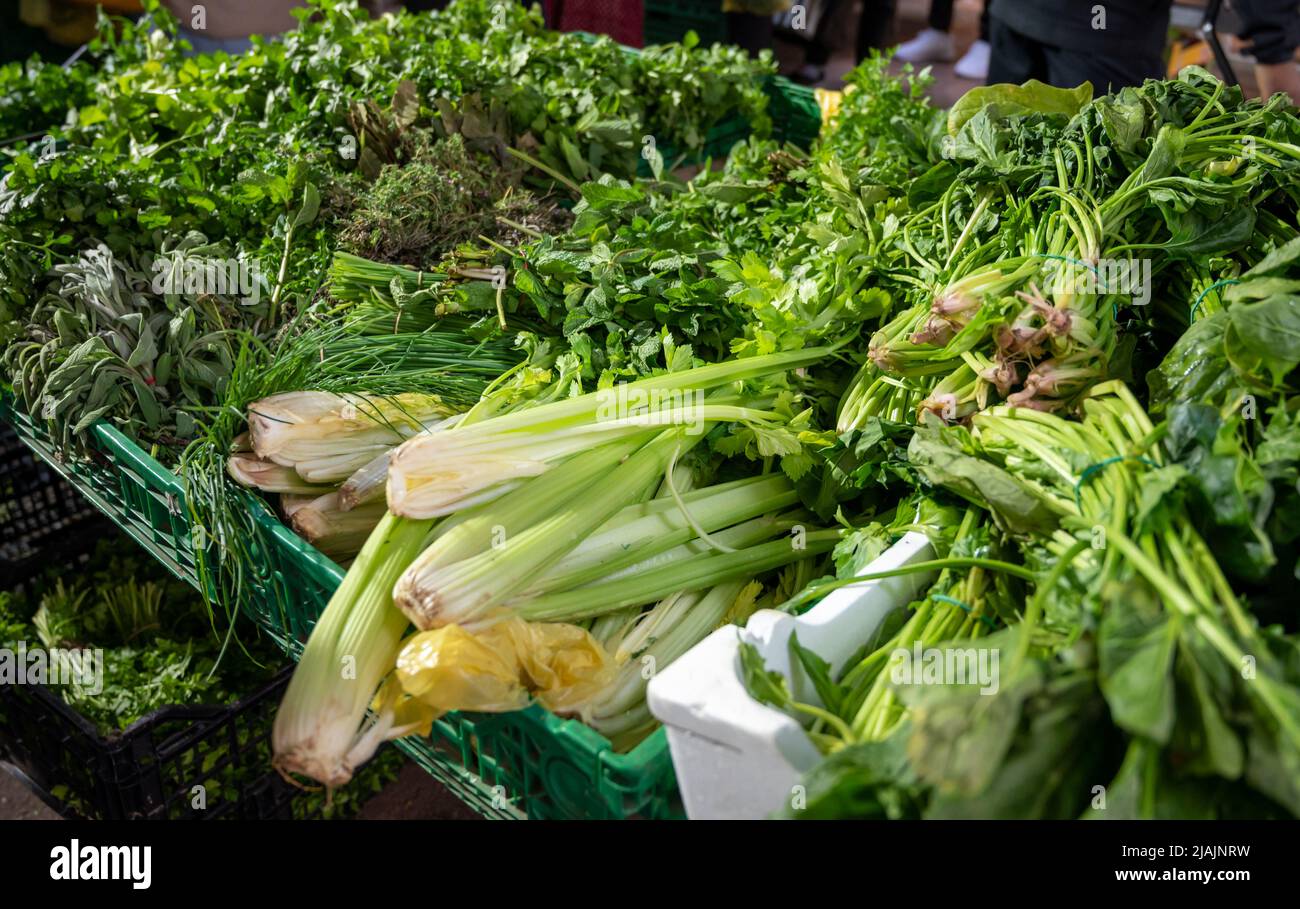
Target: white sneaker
930,46
974,64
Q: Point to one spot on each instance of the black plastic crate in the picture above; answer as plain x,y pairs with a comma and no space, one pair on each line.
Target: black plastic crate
150,770
42,516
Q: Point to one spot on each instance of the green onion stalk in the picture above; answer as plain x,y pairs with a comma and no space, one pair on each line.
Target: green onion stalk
383,297
448,362
378,297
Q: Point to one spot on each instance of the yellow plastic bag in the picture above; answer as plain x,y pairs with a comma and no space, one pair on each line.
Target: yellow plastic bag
503,667
562,664
829,101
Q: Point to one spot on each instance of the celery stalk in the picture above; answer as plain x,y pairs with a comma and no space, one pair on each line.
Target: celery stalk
661,526
436,474
438,591
469,532
252,472
328,437
321,729
706,571
742,535
367,484
583,408
651,643
337,533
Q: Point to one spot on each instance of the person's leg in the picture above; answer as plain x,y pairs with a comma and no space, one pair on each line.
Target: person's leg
941,15
753,33
875,27
1014,58
820,48
932,44
974,64
1068,68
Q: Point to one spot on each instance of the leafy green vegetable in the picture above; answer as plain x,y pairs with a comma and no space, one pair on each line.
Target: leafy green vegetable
159,648
1033,96
164,154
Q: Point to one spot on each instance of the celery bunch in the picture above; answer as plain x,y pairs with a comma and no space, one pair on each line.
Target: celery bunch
545,512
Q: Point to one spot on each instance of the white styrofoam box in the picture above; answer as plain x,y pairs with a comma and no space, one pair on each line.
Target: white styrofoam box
736,758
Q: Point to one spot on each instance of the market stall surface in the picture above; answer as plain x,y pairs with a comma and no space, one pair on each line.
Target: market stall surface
18,803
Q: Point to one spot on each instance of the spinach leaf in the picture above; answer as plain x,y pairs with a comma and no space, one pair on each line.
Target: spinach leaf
1264,337
1010,100
1136,647
1014,502
870,780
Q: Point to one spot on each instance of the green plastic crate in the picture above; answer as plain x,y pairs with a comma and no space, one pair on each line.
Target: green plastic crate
529,763
125,483
795,112
721,139
796,117
666,21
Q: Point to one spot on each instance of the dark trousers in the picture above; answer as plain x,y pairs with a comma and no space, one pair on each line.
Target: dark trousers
753,33
1017,58
875,30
